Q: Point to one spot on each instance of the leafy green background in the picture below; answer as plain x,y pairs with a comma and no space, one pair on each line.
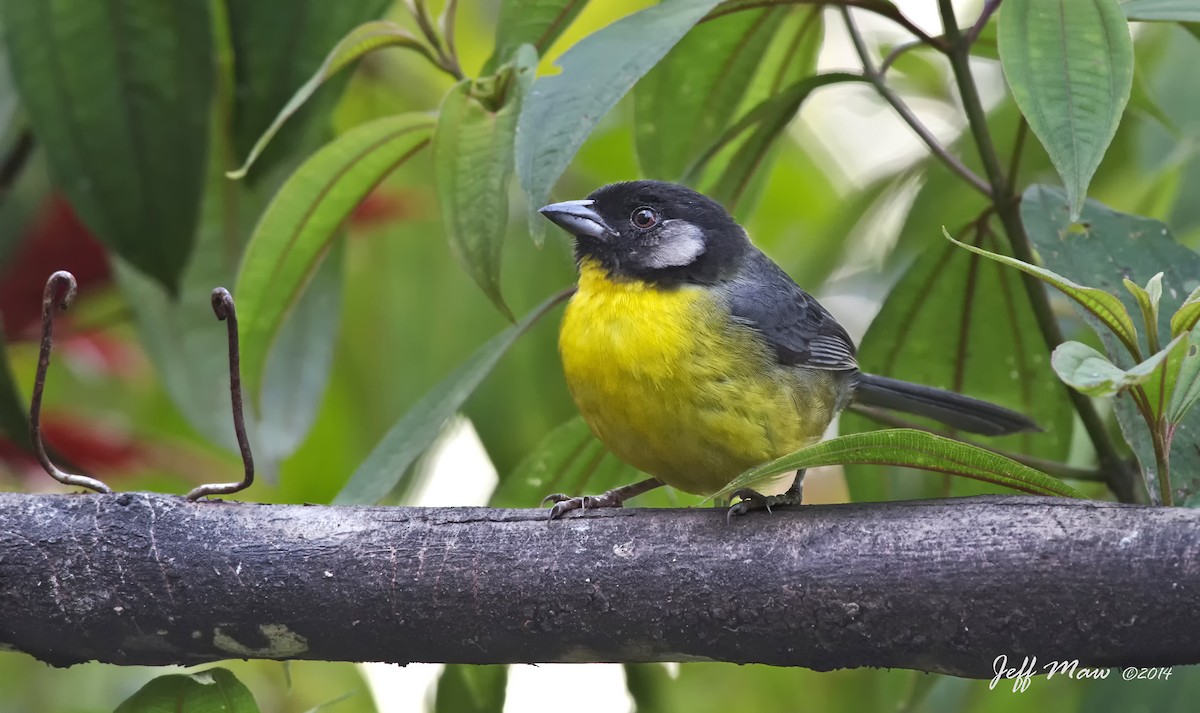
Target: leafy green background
378,310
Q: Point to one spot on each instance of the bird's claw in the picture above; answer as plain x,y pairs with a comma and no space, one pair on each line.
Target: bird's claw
750,500
564,503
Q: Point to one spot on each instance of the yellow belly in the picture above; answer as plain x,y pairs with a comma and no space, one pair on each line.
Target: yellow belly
677,390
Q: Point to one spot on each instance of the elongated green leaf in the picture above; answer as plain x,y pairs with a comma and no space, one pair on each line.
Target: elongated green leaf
277,46
1162,10
535,22
913,449
472,164
361,40
1187,315
880,7
1105,248
691,95
569,459
296,228
1070,67
215,690
563,109
770,119
298,366
470,688
14,419
411,435
958,321
9,101
118,95
1103,305
1089,371
1187,381
1147,299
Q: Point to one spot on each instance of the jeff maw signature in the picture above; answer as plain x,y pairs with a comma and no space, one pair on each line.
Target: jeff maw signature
1023,674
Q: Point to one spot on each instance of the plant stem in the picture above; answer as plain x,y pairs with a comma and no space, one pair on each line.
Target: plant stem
449,18
1162,461
989,8
881,87
1008,210
446,62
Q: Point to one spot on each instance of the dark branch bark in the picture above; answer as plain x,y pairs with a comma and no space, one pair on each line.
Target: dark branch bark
935,585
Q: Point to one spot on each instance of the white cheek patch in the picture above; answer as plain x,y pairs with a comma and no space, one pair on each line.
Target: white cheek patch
679,244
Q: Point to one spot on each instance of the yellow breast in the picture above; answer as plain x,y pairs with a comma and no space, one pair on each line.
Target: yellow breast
678,390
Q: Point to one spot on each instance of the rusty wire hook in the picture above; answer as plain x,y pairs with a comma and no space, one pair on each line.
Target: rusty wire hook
50,299
222,304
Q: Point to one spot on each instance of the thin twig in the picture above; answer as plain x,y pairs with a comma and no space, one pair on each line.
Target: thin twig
1014,164
882,9
445,62
878,81
894,55
61,281
449,18
1008,210
222,304
1045,465
989,8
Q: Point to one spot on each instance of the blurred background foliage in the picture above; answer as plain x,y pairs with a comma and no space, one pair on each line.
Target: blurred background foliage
841,196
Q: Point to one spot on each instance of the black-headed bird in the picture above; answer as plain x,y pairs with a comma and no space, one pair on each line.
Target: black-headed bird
693,357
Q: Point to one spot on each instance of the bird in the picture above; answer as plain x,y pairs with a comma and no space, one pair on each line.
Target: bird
693,356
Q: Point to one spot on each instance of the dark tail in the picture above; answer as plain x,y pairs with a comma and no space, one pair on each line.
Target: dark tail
955,410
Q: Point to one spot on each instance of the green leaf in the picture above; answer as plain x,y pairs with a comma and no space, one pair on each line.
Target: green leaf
215,690
566,460
409,437
361,40
535,22
1147,299
118,95
298,366
1187,382
692,94
771,124
296,229
472,164
1162,10
1105,248
1103,305
1187,315
470,688
277,46
768,119
563,109
958,321
1070,67
14,415
913,449
1090,372
9,101
879,7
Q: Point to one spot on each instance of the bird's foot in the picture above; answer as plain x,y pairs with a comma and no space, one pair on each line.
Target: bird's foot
564,503
750,500
614,498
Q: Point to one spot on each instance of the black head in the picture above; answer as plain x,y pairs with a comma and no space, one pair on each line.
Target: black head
655,231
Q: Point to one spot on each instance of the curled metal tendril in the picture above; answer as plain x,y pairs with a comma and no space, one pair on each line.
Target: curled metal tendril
50,300
222,303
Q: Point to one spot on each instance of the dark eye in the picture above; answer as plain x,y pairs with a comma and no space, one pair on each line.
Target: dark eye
644,218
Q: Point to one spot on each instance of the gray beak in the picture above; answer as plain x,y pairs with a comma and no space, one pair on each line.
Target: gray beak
578,218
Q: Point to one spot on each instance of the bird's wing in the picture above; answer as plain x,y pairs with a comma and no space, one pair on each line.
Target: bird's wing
797,327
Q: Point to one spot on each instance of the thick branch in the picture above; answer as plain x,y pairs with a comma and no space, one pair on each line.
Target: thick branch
937,585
